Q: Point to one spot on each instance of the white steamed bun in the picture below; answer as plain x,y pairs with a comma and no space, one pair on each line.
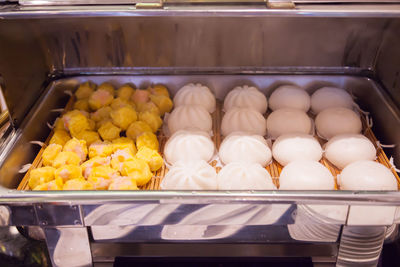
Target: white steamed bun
189,145
244,176
292,147
245,148
334,121
195,94
330,97
189,116
190,175
289,96
246,97
243,120
367,175
344,149
306,175
288,120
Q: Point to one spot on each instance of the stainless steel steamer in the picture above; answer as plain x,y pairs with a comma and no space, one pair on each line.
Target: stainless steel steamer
47,47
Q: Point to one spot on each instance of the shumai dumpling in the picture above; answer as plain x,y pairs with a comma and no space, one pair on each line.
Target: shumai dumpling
123,117
107,87
152,119
89,136
140,96
147,139
66,158
58,124
40,176
151,156
88,165
100,149
77,146
158,89
92,125
100,98
84,90
77,184
50,153
102,122
123,183
163,103
68,172
82,104
119,157
60,137
124,143
101,114
56,184
100,177
76,122
109,131
148,106
137,128
125,92
137,169
119,103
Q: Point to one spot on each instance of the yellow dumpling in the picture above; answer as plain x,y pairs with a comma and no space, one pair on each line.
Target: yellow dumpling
66,158
152,119
125,92
147,139
123,183
77,184
124,142
99,183
84,90
107,87
50,153
101,114
140,96
56,184
92,124
77,146
119,157
159,89
77,124
89,136
137,128
148,106
119,103
163,103
40,176
100,98
88,165
103,171
109,131
82,104
68,172
137,169
100,149
123,117
59,124
151,156
60,137
102,122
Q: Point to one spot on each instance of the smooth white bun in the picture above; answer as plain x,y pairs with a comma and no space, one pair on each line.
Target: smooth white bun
367,175
190,175
288,120
289,96
246,97
334,121
292,147
189,116
344,149
330,97
244,176
241,147
189,145
195,94
243,120
306,175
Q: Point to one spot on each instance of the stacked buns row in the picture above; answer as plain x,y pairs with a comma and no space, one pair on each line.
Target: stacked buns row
245,150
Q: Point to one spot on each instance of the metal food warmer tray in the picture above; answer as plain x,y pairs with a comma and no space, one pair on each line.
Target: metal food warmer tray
47,47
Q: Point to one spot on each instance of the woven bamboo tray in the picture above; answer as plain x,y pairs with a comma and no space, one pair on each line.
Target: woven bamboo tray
274,168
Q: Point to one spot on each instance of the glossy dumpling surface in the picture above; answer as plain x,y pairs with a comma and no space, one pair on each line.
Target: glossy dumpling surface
288,120
289,96
330,97
243,120
189,116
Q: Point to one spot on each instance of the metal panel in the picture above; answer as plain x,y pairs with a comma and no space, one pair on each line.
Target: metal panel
53,215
